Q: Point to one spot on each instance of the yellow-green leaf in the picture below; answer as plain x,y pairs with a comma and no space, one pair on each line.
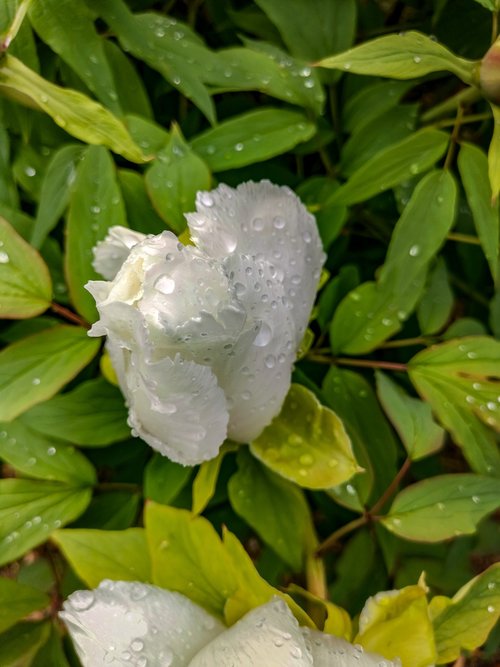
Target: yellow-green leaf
306,443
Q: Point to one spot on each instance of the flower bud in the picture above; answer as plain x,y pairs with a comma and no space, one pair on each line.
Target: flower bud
489,74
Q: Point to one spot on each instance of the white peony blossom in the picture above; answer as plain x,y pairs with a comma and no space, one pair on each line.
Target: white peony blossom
203,338
124,624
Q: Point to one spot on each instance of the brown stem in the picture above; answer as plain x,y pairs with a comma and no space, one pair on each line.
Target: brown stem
69,315
391,489
332,540
407,342
463,238
368,363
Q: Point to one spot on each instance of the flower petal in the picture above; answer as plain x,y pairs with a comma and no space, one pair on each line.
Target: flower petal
177,407
126,623
329,651
268,635
110,253
269,223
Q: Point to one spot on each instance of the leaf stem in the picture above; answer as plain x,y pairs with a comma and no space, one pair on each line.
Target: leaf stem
391,489
454,137
369,363
9,36
463,238
332,540
473,118
407,342
69,315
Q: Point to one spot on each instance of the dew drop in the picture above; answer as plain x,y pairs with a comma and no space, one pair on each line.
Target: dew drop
4,258
82,600
258,224
279,222
36,381
347,66
30,172
476,500
165,285
417,59
51,451
270,361
206,199
414,250
137,645
490,608
264,336
238,147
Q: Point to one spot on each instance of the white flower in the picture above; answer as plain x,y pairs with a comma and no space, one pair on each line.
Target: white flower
124,624
203,338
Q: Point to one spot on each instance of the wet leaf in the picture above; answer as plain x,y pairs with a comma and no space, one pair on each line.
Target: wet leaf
17,601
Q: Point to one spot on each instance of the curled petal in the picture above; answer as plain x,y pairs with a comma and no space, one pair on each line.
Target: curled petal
127,623
268,635
329,651
177,407
269,223
110,253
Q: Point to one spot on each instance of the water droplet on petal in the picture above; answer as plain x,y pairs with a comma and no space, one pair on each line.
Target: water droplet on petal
165,285
206,199
264,336
81,600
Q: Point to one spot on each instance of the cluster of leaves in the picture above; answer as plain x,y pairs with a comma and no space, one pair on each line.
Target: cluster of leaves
116,112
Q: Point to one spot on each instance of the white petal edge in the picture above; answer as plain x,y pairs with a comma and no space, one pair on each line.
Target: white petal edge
111,253
123,624
329,651
177,407
267,636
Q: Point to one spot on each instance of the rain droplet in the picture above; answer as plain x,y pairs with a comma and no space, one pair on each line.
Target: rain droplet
490,608
264,336
238,147
270,361
206,199
137,645
414,250
82,600
51,451
258,224
165,285
35,381
476,500
4,258
417,59
30,171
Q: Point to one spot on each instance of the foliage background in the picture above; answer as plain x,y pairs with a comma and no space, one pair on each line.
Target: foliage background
173,98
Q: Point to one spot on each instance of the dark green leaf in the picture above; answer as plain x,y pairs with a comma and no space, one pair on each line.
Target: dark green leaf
92,414
95,205
164,479
436,306
275,508
252,137
17,601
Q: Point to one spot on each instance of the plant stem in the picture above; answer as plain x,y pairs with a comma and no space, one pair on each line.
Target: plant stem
463,238
69,315
391,489
331,541
104,487
368,363
464,287
454,138
406,342
494,26
9,36
473,118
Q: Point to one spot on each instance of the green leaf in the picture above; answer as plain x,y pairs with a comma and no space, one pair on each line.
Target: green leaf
92,414
395,164
407,55
52,652
35,456
115,510
17,601
492,5
67,27
188,556
22,293
149,135
411,417
311,32
473,165
74,112
54,195
494,154
461,381
469,617
95,555
132,94
174,178
19,644
30,510
164,479
374,444
372,102
95,205
35,368
252,137
306,443
266,68
8,190
276,509
442,507
141,215
205,482
162,44
373,312
436,306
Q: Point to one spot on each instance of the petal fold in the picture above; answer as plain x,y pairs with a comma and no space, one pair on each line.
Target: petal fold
330,651
127,623
110,254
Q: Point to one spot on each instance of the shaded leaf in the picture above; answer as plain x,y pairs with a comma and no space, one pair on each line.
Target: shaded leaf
411,417
164,479
436,306
92,414
17,601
